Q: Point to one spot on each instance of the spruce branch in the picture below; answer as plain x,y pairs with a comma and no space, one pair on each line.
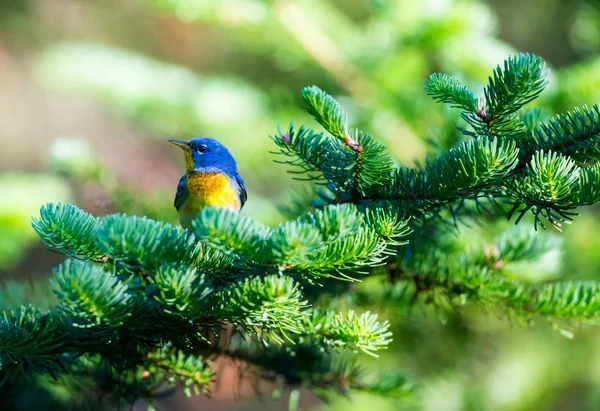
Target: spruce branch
182,290
193,372
475,163
326,111
494,165
574,134
94,298
69,230
476,168
145,243
570,300
374,169
267,306
446,89
520,81
489,274
387,222
116,315
142,302
295,242
233,234
30,342
334,222
363,333
330,115
312,245
328,162
588,191
302,149
546,188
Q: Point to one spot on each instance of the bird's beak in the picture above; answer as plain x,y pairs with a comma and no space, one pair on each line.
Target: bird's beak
181,144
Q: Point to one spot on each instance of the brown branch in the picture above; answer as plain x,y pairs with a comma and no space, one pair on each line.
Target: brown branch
353,144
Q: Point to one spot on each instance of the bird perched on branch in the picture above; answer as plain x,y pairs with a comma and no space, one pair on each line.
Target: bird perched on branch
211,179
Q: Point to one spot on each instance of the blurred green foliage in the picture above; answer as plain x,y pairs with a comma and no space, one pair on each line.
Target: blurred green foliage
22,195
232,69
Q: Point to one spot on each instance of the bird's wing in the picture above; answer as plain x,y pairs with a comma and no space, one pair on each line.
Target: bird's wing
182,193
243,194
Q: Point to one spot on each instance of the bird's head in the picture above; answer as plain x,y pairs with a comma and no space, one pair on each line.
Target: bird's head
202,154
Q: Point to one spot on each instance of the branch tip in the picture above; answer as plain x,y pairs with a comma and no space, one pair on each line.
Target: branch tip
353,144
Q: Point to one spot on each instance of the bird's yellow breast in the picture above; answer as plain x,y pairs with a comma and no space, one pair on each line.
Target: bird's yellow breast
211,190
208,190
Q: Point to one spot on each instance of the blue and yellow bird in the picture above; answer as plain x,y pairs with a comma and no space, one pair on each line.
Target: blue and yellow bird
211,179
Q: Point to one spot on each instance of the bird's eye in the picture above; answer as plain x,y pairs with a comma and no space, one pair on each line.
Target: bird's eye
202,148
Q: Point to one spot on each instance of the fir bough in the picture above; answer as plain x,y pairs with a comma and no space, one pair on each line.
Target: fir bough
141,303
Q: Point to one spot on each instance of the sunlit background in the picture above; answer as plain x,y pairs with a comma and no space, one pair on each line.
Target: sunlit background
91,90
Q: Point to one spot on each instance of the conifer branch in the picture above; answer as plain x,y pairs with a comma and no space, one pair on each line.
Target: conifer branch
326,111
575,134
330,115
312,245
493,166
91,296
184,292
520,81
570,300
30,342
362,332
192,371
68,229
477,165
264,305
486,274
141,303
160,286
446,89
145,243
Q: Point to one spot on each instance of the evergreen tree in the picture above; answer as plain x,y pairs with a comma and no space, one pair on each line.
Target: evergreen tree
142,305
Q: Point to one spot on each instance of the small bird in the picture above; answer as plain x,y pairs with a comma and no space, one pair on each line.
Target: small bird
211,179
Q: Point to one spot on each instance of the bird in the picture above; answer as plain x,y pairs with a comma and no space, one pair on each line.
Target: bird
211,179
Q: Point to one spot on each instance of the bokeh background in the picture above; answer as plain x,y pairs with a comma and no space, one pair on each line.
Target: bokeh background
91,90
